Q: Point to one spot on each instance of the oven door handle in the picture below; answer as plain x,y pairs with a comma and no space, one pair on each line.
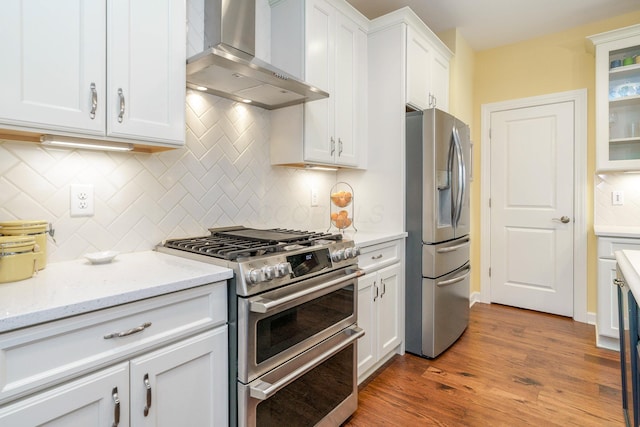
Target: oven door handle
263,390
265,305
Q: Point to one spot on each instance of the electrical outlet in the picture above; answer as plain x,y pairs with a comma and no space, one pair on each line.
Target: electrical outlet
81,199
617,198
314,197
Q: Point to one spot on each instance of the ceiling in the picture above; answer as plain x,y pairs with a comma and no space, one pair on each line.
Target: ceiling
485,24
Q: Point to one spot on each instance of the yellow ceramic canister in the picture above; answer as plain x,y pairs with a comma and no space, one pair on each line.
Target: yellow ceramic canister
17,259
35,228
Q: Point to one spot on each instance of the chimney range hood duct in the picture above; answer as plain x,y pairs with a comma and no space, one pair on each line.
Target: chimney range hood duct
228,66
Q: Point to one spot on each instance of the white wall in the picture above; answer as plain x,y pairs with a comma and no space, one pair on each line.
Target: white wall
222,177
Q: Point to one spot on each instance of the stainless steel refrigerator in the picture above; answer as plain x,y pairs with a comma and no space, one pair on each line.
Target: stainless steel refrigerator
438,170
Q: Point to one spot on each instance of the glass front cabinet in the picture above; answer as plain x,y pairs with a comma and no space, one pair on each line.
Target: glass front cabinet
617,99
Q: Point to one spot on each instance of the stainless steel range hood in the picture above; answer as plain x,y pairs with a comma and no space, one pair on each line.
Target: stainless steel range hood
228,66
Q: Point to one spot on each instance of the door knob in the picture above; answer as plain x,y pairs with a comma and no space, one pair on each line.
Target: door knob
564,219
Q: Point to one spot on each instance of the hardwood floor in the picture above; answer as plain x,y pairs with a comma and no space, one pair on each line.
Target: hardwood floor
511,367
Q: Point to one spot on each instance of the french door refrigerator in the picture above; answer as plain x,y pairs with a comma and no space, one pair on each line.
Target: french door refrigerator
438,159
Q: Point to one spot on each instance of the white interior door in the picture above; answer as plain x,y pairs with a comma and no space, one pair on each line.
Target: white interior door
532,210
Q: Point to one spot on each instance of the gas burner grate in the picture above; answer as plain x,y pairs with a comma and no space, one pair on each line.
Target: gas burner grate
241,242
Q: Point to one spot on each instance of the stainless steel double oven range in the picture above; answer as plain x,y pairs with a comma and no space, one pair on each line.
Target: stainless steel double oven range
292,323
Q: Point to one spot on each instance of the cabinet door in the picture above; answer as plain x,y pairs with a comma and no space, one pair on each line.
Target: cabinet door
440,81
88,401
419,56
184,384
367,286
618,101
345,91
53,64
607,299
319,140
389,309
146,54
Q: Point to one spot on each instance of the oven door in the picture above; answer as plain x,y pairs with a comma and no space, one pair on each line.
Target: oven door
277,325
317,388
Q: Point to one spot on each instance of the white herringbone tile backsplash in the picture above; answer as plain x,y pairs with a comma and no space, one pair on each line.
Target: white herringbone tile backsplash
607,214
222,177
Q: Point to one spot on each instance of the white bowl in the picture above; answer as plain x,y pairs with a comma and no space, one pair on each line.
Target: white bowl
101,257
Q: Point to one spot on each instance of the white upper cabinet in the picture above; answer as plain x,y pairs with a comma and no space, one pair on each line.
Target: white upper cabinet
101,69
427,72
53,65
618,99
332,130
146,54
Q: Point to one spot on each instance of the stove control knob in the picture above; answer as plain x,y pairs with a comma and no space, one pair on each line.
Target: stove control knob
283,269
254,276
338,255
268,272
351,252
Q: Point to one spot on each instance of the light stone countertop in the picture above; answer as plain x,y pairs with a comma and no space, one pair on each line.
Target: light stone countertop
629,263
616,231
74,287
367,238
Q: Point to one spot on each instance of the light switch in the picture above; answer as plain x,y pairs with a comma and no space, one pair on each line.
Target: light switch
617,198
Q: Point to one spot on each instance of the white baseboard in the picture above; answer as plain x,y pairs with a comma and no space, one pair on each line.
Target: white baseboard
474,298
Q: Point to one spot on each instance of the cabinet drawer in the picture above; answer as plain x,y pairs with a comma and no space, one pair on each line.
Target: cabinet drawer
607,246
377,256
46,354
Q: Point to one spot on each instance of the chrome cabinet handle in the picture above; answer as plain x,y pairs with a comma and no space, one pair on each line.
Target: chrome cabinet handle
339,147
384,288
147,385
94,101
333,146
121,115
375,298
563,219
128,332
377,256
116,408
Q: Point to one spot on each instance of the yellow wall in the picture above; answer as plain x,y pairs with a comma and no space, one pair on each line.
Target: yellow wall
554,63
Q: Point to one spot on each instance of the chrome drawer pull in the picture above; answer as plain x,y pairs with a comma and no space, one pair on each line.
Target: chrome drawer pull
453,248
94,101
147,385
128,332
121,114
116,409
455,279
376,257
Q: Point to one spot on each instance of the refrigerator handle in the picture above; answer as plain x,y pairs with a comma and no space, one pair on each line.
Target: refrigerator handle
460,187
455,279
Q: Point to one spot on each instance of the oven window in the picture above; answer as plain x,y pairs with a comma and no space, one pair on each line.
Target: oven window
283,330
311,397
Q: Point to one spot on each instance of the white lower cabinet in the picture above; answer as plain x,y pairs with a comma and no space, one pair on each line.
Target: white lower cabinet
157,373
607,303
380,294
184,384
89,401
